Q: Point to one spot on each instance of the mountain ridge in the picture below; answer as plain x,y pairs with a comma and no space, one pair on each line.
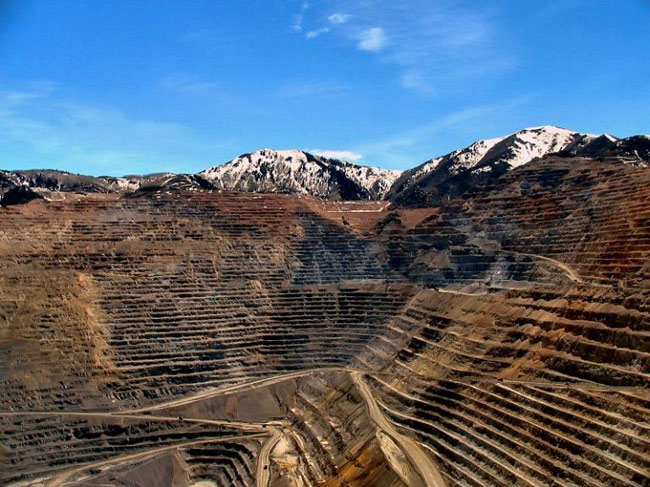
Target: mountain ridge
459,170
300,172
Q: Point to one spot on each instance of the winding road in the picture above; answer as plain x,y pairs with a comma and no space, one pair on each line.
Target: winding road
419,460
263,461
571,274
266,381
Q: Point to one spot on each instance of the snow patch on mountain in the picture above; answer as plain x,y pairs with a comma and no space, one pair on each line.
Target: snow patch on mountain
294,171
123,185
488,155
374,179
535,142
483,159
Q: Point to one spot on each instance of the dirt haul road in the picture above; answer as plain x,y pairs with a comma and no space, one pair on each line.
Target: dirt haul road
429,473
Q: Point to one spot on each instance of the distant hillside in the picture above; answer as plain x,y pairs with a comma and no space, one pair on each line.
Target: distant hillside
462,169
299,172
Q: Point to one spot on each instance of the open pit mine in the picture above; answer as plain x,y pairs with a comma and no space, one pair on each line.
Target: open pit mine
479,331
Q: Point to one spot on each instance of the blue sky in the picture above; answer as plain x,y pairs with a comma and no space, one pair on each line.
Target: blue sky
123,87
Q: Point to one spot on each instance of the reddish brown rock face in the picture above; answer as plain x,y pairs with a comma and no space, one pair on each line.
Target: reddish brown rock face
205,338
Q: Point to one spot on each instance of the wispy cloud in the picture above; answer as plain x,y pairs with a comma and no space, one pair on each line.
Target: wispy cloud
30,91
205,91
435,48
312,34
188,84
401,147
338,18
432,47
299,18
297,22
373,39
337,154
327,24
44,128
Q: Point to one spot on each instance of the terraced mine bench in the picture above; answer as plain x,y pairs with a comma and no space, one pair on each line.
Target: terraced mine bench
179,337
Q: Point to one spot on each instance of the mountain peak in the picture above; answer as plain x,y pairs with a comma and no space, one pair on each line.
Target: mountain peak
547,128
268,152
456,171
295,171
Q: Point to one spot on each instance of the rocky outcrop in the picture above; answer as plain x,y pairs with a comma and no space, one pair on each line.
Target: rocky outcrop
270,171
18,195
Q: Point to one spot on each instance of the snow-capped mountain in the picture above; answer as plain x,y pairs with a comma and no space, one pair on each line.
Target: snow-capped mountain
461,169
299,172
293,171
264,171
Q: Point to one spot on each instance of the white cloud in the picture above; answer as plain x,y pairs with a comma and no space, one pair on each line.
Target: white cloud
415,80
299,18
338,18
337,154
312,34
192,86
334,19
373,39
297,23
433,50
